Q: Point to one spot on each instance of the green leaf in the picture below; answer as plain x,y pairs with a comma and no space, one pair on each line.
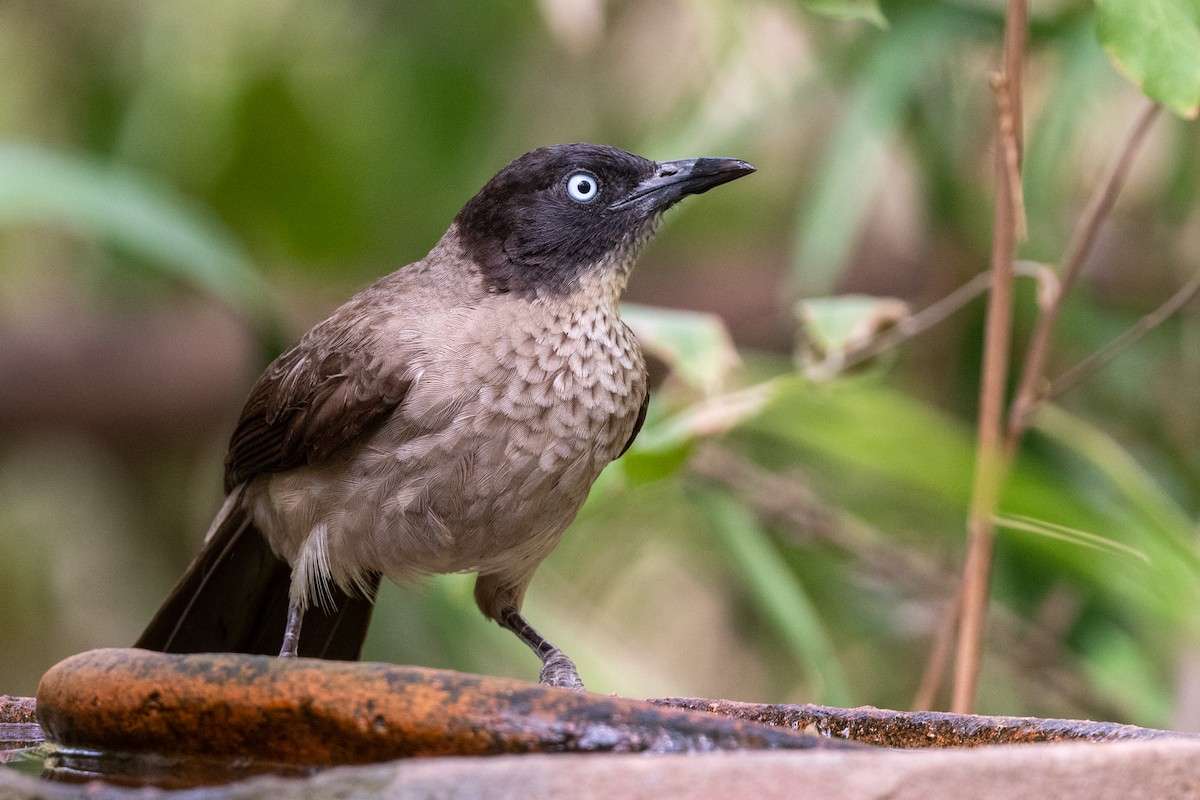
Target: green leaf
1064,533
696,346
1134,505
656,463
1156,44
879,434
836,329
904,464
665,443
130,211
777,590
1130,483
865,10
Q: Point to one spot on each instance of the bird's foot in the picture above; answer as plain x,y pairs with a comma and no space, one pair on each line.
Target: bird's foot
560,671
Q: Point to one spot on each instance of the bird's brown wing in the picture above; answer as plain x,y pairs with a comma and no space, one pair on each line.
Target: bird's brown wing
308,404
637,424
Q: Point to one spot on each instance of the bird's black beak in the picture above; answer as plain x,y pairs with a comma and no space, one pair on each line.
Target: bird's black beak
674,180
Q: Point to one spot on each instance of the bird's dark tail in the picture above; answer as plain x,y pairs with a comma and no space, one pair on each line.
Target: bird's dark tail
234,598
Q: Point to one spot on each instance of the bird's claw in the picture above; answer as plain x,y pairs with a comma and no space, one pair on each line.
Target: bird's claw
560,671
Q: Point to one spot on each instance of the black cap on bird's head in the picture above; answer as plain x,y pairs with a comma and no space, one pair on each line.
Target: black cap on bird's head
557,212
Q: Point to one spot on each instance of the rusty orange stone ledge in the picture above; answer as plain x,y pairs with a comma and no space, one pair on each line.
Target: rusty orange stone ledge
311,712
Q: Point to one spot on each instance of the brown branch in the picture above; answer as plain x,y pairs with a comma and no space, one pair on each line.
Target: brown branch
939,655
990,467
939,310
1090,365
1010,146
1030,392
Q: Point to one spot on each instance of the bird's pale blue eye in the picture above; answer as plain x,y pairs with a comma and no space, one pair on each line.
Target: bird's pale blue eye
583,187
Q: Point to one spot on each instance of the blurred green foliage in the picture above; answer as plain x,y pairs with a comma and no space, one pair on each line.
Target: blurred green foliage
130,212
767,538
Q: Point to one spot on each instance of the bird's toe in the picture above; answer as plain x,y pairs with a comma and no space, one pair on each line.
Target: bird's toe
560,671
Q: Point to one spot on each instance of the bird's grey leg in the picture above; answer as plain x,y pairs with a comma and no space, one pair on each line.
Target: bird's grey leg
557,669
291,634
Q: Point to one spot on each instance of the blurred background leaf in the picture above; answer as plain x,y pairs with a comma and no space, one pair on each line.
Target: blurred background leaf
129,212
172,174
867,10
1157,44
694,347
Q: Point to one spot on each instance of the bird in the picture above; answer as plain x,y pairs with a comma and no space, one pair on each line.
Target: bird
451,417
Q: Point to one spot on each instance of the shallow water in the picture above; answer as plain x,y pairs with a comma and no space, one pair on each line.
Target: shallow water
30,760
123,769
65,765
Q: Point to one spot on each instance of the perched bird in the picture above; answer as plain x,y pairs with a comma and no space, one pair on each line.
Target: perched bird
450,417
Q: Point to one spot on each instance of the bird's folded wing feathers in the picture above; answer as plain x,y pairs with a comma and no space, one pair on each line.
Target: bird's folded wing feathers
637,424
307,405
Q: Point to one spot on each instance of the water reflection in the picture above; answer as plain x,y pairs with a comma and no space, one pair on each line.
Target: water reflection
22,750
69,765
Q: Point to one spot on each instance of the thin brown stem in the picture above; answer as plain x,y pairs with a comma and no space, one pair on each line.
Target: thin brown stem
939,656
938,311
1010,146
990,468
1088,366
1030,388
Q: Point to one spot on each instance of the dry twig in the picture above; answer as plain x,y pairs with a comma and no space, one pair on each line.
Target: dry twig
989,462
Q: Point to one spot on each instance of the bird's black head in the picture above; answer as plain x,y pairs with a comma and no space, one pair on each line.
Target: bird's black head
556,213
